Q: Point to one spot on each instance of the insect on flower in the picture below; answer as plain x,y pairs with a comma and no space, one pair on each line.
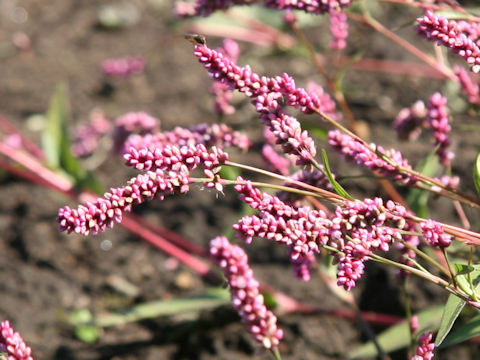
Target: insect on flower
196,39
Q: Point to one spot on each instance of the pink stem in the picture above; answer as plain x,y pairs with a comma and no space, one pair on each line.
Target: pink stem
36,167
193,263
30,146
403,43
170,235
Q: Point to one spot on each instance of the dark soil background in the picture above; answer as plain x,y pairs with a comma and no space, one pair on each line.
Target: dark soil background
45,275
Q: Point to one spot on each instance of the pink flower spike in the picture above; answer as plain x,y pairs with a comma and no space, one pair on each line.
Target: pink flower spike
87,137
434,235
409,121
267,94
449,34
361,155
275,161
219,135
124,67
207,7
425,347
246,297
309,6
414,324
12,344
338,29
437,117
104,212
469,88
222,92
243,79
133,123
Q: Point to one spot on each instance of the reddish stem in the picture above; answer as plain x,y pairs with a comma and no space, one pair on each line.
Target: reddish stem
30,146
199,266
170,235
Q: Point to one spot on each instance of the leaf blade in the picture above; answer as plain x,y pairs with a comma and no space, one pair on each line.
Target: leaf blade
398,336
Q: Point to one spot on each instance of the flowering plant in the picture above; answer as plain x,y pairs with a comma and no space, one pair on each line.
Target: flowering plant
305,206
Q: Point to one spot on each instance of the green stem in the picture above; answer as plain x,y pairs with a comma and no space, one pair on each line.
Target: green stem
332,197
469,275
426,258
452,275
422,274
276,354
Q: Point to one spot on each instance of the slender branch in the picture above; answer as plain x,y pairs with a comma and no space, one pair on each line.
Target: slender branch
367,19
334,198
426,258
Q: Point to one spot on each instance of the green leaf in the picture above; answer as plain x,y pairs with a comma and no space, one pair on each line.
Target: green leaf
270,300
467,278
476,173
57,117
464,333
81,316
229,172
56,142
315,130
463,269
398,336
452,309
336,186
87,333
153,309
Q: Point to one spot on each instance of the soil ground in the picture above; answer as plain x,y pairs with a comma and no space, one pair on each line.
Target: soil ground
45,275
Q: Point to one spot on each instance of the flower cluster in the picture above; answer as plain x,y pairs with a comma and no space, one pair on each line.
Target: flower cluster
170,173
469,88
275,161
12,344
303,230
97,216
286,129
409,121
123,67
173,158
434,235
360,228
309,6
437,117
244,289
253,85
223,94
88,136
327,105
207,7
448,33
358,153
425,347
356,230
133,123
338,29
219,135
267,93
